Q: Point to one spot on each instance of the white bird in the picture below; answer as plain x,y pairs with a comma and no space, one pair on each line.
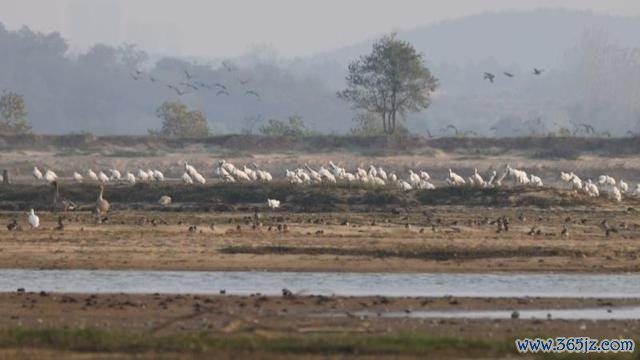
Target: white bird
535,181
624,187
273,203
393,177
151,175
382,174
636,191
143,175
404,185
103,177
199,178
77,177
37,174
476,179
115,174
455,179
616,194
130,178
158,175
92,175
425,176
591,189
187,179
33,219
189,169
414,179
50,176
164,200
425,185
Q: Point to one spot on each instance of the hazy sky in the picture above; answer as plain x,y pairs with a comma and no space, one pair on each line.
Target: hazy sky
212,28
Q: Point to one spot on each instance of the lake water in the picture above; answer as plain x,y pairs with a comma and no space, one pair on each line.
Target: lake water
355,284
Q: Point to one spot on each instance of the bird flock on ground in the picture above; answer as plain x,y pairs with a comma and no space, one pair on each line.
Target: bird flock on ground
374,176
414,179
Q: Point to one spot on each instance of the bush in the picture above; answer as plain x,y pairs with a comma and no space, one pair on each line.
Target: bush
13,114
294,127
179,121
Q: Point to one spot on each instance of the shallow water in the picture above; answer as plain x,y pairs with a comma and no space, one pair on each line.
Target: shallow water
604,313
356,284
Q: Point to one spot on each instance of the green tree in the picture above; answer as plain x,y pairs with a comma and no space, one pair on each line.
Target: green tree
293,127
179,121
13,114
390,81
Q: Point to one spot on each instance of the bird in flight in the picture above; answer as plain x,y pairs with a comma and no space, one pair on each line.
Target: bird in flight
187,74
177,90
537,71
203,85
228,66
189,85
489,76
220,86
508,74
244,82
251,92
222,92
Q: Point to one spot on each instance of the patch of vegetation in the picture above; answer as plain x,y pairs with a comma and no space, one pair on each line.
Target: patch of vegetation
95,340
406,252
13,114
179,121
293,127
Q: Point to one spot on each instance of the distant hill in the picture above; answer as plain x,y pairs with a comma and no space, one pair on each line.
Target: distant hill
527,38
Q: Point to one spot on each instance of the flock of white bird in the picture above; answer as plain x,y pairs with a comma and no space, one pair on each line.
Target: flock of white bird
374,176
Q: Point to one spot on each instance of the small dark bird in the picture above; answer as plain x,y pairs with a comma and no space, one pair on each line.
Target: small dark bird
60,225
251,92
244,82
608,229
429,134
221,86
13,225
189,85
508,74
537,71
228,66
489,76
177,90
187,74
222,92
203,85
565,230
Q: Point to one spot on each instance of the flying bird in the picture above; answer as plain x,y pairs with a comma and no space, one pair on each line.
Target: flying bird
177,90
244,82
508,74
187,74
222,92
228,66
189,85
489,76
537,71
220,86
203,85
251,92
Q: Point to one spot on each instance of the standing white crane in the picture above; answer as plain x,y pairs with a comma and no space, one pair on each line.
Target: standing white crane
103,177
455,179
50,176
77,177
33,219
92,175
142,175
273,203
36,173
130,178
158,175
187,179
